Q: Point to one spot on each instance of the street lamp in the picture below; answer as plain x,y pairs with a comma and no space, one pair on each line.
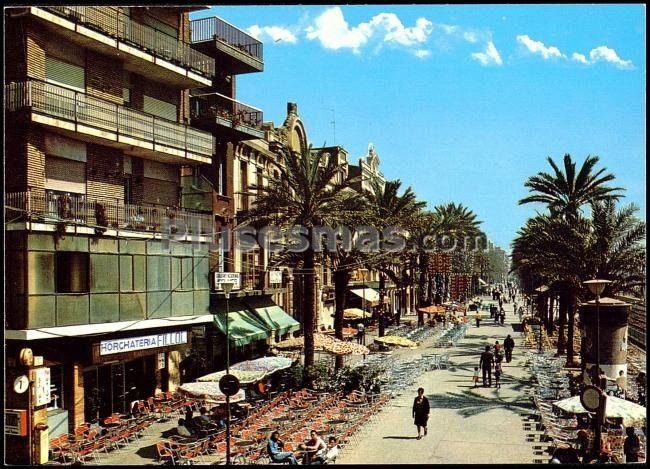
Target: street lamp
227,288
596,287
363,272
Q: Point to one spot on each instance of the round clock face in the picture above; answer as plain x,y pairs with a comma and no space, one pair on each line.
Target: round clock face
21,384
590,398
27,357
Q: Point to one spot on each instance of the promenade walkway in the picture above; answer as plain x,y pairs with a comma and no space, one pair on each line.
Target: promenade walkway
466,424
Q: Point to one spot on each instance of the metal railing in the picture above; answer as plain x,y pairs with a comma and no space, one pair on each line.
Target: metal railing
105,212
113,22
215,105
208,29
70,105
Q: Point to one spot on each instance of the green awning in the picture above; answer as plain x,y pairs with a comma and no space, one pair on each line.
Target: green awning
244,326
273,316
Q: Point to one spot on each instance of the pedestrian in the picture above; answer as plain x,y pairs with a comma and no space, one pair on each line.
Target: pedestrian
475,377
312,447
360,333
486,363
421,411
497,374
497,348
640,384
621,383
508,345
503,317
478,319
632,446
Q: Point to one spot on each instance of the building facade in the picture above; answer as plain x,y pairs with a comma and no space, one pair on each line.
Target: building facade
120,129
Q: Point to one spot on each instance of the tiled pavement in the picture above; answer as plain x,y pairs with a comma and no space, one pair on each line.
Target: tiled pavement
466,425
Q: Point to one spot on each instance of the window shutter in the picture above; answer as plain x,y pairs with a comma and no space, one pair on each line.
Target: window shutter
160,108
65,74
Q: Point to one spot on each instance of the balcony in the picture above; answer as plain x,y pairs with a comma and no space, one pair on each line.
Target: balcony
144,50
234,51
255,282
88,118
77,210
220,114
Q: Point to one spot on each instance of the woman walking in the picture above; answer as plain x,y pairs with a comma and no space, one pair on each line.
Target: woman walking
421,411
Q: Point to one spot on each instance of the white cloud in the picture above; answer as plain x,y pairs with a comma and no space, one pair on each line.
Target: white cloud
334,32
489,57
605,54
422,53
538,47
579,58
272,33
470,36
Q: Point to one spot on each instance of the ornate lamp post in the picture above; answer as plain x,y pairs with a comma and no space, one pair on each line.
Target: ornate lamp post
596,287
363,272
227,288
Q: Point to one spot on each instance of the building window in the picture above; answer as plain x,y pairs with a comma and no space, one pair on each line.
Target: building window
56,388
72,272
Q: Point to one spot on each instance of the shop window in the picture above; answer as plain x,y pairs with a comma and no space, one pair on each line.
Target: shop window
72,272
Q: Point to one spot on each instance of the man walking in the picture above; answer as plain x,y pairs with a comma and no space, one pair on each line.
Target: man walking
486,363
508,345
478,319
361,332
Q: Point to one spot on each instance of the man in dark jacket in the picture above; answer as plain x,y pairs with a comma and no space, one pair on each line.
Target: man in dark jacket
486,363
508,345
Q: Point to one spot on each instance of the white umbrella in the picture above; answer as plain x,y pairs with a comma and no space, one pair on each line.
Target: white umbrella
211,391
630,412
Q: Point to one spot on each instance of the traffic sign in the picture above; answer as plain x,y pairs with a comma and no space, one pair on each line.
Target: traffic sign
229,385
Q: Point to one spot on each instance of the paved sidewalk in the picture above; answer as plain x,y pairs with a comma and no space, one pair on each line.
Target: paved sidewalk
466,425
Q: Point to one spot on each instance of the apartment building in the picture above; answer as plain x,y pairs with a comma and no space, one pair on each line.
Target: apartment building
113,192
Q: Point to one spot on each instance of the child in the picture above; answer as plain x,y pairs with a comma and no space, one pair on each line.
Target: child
475,377
497,373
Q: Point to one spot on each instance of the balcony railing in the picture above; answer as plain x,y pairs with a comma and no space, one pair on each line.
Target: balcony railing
208,29
218,106
105,212
62,103
114,23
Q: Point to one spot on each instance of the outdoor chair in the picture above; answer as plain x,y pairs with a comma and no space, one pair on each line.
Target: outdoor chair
444,361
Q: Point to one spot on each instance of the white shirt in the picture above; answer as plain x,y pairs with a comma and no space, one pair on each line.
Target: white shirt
328,454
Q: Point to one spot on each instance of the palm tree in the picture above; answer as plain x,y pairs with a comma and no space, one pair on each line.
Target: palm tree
389,209
307,192
564,253
564,193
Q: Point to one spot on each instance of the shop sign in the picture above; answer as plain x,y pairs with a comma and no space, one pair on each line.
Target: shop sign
226,277
130,344
275,276
42,386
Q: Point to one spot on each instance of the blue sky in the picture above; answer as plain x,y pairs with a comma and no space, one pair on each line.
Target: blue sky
462,103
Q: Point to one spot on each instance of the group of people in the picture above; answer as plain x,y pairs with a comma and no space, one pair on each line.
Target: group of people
315,450
489,361
201,425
